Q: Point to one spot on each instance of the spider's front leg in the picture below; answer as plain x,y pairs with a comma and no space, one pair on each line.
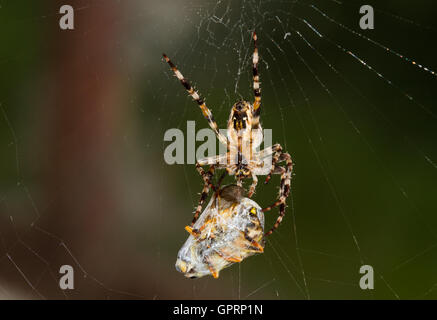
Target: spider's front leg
197,98
284,190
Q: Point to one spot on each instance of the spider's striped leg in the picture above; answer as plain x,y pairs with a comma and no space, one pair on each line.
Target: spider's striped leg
284,189
252,186
277,151
268,151
215,162
196,97
278,170
207,178
285,173
219,182
256,87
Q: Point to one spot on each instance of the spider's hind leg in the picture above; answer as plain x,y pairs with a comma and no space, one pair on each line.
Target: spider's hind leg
284,189
277,152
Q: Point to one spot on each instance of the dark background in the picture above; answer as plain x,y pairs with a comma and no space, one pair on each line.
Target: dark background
84,112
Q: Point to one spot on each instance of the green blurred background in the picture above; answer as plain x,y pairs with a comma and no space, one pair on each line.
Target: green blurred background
84,112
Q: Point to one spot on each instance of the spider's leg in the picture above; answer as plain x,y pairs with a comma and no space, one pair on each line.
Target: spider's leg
207,177
263,155
252,186
268,151
220,180
215,162
256,87
278,170
277,151
196,97
284,189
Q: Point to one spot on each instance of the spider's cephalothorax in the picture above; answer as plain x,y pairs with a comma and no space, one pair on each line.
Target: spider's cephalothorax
244,136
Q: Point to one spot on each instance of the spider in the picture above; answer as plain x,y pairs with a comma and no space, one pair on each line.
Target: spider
244,136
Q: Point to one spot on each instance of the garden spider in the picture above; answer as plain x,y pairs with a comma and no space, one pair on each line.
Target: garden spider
244,136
